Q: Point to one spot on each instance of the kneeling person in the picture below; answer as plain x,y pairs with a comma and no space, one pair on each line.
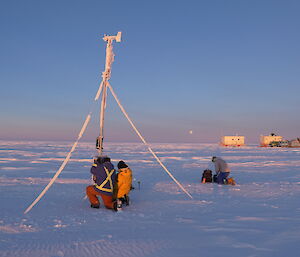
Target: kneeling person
104,176
124,182
222,170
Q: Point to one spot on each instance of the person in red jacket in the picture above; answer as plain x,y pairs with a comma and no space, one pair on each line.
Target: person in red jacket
104,176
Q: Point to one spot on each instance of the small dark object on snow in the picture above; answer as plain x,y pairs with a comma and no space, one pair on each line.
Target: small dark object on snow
96,206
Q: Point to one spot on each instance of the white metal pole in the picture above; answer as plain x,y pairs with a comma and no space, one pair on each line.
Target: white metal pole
102,112
105,77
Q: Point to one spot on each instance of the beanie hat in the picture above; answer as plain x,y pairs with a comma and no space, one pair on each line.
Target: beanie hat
103,159
122,165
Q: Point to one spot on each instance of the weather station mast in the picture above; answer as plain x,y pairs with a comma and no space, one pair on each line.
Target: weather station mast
99,141
105,78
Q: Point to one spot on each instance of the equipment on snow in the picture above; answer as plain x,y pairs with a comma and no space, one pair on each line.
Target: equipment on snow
207,176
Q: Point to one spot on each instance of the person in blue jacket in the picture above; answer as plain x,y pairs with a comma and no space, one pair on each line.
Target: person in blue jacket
104,176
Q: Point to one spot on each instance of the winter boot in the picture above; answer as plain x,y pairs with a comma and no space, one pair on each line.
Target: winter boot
115,207
119,205
96,206
127,200
231,181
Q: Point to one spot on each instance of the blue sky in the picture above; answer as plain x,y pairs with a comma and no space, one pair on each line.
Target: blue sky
215,67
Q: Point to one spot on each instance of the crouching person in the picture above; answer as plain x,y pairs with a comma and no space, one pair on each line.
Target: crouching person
222,170
124,184
104,176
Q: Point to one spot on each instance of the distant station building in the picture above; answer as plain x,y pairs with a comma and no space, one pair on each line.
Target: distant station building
232,141
266,140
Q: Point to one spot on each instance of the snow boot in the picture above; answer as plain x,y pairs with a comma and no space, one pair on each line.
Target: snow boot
127,200
119,205
115,207
96,206
231,181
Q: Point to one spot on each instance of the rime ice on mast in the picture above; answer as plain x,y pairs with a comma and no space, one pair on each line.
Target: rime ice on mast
105,77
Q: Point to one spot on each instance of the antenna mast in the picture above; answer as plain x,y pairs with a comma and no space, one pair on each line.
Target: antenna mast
105,78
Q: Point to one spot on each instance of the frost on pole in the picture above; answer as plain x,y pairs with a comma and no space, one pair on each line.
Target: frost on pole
105,77
109,53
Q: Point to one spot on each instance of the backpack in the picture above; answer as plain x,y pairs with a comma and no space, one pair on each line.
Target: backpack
206,176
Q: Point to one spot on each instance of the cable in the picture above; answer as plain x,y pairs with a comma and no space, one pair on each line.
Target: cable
83,128
144,141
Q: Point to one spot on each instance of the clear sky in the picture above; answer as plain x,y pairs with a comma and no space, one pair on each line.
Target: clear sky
216,67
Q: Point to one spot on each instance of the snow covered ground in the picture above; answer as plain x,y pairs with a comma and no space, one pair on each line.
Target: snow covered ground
258,217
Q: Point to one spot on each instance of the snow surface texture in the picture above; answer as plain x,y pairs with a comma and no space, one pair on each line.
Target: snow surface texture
258,217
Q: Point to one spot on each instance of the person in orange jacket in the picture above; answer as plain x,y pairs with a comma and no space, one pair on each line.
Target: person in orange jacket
124,184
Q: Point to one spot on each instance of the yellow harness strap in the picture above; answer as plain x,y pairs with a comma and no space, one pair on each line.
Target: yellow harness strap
108,179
